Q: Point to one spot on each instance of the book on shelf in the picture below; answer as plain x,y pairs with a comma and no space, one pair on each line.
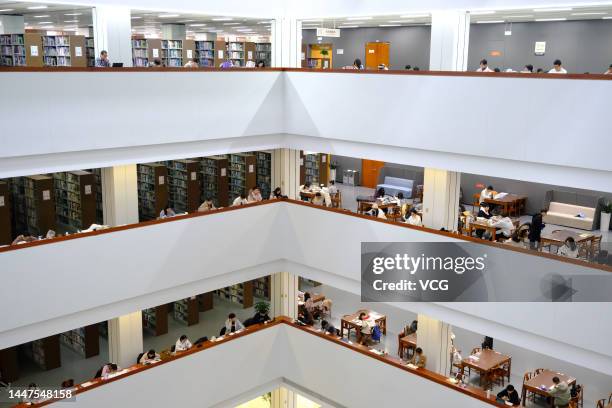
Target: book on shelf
214,177
84,340
12,50
186,311
34,204
261,287
152,190
156,320
242,174
241,293
184,185
264,173
6,229
75,199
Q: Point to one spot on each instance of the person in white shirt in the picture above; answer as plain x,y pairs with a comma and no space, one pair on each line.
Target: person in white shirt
528,69
150,357
569,248
255,195
365,332
486,193
167,212
109,369
504,225
250,64
182,344
332,187
557,68
192,63
207,205
414,218
484,66
232,324
240,200
609,71
318,199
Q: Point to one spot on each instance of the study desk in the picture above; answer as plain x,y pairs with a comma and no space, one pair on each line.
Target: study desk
486,362
316,298
350,322
365,204
558,237
484,225
541,383
510,204
407,343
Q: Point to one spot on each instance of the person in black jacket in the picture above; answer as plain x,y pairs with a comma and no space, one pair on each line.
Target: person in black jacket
535,230
483,212
510,394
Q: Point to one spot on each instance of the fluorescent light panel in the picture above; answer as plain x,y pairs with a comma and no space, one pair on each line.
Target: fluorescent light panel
222,19
551,19
348,26
37,7
389,25
520,16
73,14
400,21
6,10
43,16
168,15
590,13
197,25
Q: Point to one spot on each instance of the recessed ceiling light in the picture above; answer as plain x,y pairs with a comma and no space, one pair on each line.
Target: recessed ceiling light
73,14
6,10
606,18
46,22
43,16
168,15
590,13
546,10
265,22
389,25
482,13
490,22
222,19
348,26
400,21
551,19
230,24
358,18
415,16
37,7
197,25
71,21
136,18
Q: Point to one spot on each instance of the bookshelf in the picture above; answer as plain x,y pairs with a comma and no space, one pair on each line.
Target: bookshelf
12,50
187,311
172,53
242,174
33,42
205,301
215,187
103,329
56,50
264,173
90,52
45,352
75,199
205,53
140,54
311,168
33,204
152,190
9,364
261,287
98,188
320,56
84,340
156,320
236,51
220,52
241,293
263,52
183,185
6,234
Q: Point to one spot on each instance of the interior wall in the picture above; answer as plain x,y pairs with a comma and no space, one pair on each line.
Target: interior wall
582,46
409,45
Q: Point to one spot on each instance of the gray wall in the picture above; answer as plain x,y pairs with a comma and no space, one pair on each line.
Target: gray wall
345,163
409,45
582,46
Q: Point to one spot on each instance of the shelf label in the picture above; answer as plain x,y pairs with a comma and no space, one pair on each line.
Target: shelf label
223,172
161,180
540,48
251,168
194,175
87,189
78,51
323,158
371,51
46,195
220,54
34,50
301,161
2,201
250,55
155,52
189,54
303,56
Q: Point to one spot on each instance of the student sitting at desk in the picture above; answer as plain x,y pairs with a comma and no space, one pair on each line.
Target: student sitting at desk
418,358
277,194
232,324
557,68
328,327
569,248
22,239
510,395
150,357
414,218
484,66
255,195
484,211
108,370
167,212
365,332
331,187
504,225
240,200
487,192
182,344
561,393
318,199
304,316
207,205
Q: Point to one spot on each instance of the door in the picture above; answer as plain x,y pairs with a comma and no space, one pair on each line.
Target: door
376,53
370,170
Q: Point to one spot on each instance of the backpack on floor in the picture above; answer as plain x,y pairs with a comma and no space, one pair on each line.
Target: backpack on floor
376,334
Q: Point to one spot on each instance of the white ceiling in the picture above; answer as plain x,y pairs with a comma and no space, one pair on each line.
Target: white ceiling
49,16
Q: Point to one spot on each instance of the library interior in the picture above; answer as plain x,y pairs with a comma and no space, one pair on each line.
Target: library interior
186,191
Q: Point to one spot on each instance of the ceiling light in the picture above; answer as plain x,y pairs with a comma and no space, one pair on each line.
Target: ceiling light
490,22
197,25
136,18
358,18
389,25
551,19
482,13
6,10
43,16
590,13
46,22
607,18
415,16
71,21
267,22
230,23
547,10
348,26
37,7
222,19
168,15
520,16
74,14
401,21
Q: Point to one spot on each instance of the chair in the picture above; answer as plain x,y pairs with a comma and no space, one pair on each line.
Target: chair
538,371
595,247
475,350
578,400
336,199
326,307
601,403
526,377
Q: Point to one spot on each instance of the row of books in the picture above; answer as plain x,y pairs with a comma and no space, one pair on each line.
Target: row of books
172,44
57,61
12,39
58,40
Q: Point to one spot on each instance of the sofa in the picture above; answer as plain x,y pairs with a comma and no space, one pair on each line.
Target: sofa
566,215
582,201
394,185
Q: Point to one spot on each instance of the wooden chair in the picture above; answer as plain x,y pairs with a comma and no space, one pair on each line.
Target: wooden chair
475,350
538,371
601,403
326,307
578,400
595,247
336,199
526,377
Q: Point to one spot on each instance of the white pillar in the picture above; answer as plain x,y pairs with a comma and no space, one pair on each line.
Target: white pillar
434,337
12,24
450,38
286,42
125,339
286,171
284,289
441,190
284,398
120,195
113,33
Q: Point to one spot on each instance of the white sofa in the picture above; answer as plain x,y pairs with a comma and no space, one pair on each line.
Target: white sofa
394,185
566,215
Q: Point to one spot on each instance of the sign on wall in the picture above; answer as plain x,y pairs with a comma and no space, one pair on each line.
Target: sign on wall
328,32
540,48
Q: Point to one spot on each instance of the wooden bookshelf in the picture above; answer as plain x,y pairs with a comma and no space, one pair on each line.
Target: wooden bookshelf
184,187
6,230
172,53
33,204
187,311
75,199
205,53
156,320
261,287
237,54
9,365
206,301
188,50
56,50
264,173
263,52
215,180
220,52
152,190
78,51
302,168
323,168
242,174
250,52
154,50
12,50
84,340
45,352
140,52
98,188
311,168
90,51
320,56
34,50
241,293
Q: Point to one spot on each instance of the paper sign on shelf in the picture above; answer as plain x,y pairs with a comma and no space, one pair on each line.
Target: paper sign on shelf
323,158
340,51
2,201
34,50
155,52
540,48
161,180
250,55
189,54
78,51
303,56
87,189
46,195
194,175
301,161
223,172
251,168
220,54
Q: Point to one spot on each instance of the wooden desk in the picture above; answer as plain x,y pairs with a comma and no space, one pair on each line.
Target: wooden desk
407,343
510,204
316,298
484,225
544,379
366,205
485,362
350,322
558,237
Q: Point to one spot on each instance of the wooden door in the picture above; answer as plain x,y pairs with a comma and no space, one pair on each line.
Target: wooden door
369,172
376,53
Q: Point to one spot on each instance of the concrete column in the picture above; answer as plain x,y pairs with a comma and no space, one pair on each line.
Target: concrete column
113,33
284,398
441,199
434,337
450,38
173,31
286,171
284,289
12,25
125,339
120,195
286,42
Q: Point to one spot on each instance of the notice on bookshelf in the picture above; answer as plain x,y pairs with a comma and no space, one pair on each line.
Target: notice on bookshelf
214,180
241,293
152,190
75,203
